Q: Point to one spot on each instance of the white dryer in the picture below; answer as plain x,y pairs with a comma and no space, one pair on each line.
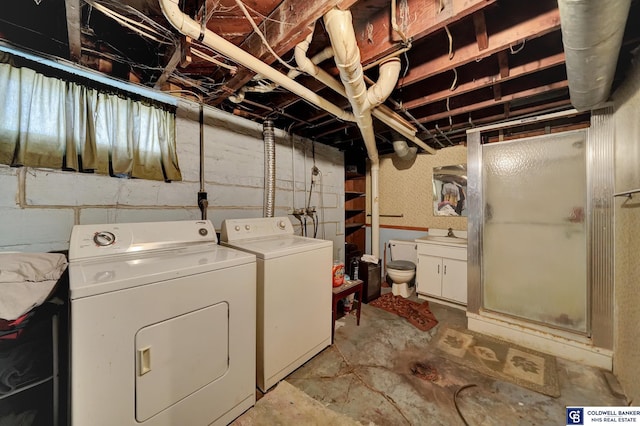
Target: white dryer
162,325
294,293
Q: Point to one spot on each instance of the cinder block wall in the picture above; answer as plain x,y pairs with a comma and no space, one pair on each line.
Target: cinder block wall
38,207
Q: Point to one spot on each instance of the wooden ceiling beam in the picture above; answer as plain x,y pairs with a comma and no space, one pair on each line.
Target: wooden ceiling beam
506,38
519,71
507,113
376,39
503,63
74,16
480,26
497,92
491,102
172,64
287,26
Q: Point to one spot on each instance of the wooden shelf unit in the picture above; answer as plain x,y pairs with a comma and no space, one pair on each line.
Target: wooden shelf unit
355,210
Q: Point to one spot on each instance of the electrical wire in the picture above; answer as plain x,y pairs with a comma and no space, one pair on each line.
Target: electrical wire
455,80
264,17
321,205
262,37
146,27
450,37
513,52
213,60
455,401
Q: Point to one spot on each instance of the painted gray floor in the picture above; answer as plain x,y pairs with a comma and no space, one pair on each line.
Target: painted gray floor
367,375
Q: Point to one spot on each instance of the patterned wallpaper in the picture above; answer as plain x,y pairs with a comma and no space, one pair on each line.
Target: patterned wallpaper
406,189
626,360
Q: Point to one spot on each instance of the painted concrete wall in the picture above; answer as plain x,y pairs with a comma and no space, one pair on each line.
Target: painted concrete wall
406,189
626,360
39,207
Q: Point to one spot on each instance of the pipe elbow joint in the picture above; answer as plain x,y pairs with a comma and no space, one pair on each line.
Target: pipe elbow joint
389,73
171,11
238,97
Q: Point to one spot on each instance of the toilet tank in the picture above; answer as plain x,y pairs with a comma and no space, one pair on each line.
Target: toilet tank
402,250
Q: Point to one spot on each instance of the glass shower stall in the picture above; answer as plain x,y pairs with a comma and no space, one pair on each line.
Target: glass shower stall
540,232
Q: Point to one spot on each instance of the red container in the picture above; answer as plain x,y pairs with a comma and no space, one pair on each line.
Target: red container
338,274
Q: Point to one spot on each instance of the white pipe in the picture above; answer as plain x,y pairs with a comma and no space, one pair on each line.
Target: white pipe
310,67
339,26
319,57
403,151
191,28
381,112
387,79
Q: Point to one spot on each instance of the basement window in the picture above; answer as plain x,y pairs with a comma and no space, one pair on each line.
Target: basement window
60,124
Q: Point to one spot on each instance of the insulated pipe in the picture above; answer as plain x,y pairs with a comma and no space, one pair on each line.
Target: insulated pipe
339,26
268,135
592,32
191,28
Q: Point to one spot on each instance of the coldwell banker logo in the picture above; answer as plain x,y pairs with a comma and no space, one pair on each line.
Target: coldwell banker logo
575,416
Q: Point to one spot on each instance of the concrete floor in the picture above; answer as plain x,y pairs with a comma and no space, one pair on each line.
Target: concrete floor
366,375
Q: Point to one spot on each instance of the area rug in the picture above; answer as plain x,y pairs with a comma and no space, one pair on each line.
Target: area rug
501,360
287,405
416,313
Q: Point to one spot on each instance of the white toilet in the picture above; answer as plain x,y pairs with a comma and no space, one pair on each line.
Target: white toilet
401,267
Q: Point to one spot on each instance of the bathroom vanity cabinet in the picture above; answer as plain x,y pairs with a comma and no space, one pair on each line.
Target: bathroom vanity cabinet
442,271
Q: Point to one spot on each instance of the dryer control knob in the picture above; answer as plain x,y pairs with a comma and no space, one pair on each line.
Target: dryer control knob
103,239
282,225
247,227
237,228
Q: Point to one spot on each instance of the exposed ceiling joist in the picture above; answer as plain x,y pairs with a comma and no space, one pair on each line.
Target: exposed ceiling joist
73,14
504,58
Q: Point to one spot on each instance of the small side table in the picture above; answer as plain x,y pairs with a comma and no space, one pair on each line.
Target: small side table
349,287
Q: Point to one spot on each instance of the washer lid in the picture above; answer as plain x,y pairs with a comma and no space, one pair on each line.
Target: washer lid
284,245
102,275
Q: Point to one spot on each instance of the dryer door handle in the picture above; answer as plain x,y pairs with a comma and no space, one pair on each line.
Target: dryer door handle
144,361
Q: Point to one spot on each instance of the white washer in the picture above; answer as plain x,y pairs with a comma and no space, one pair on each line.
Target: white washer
162,325
294,293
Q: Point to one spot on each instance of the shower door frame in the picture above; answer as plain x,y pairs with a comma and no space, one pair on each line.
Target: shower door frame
599,223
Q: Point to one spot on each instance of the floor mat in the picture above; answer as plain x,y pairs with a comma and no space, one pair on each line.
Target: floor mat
288,405
501,360
416,313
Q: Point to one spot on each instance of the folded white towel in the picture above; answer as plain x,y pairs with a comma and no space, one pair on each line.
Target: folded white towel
26,280
369,258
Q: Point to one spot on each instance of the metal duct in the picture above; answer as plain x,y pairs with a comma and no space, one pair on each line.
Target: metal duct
268,136
592,33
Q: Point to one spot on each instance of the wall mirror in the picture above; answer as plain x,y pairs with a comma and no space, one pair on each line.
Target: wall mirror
450,190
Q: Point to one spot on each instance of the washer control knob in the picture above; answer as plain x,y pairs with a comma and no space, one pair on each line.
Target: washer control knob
282,225
203,232
247,227
104,238
237,228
